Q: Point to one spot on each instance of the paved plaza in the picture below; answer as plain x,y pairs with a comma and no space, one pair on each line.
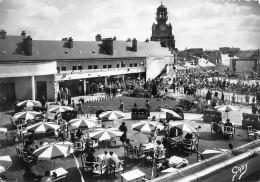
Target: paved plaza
208,140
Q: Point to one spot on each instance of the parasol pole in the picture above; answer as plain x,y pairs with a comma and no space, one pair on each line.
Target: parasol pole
152,177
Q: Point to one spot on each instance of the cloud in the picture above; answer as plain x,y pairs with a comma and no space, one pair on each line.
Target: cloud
196,23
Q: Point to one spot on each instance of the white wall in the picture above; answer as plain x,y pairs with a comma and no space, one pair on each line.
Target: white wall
49,83
27,69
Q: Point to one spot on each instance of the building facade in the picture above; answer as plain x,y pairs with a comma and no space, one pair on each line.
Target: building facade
31,68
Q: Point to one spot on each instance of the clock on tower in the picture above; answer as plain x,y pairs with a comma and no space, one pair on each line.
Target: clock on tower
161,31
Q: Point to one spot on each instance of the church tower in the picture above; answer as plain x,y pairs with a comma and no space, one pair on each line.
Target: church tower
161,31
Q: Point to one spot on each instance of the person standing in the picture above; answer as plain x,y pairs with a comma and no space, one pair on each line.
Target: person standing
222,97
80,108
253,100
234,99
43,101
73,105
121,107
247,99
123,128
69,97
147,105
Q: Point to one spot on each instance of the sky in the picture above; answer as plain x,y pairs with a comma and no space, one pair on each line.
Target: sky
207,24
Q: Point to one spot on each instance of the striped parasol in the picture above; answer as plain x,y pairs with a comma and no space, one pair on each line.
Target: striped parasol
3,130
184,127
147,127
26,115
28,103
227,108
111,115
171,112
60,109
82,123
43,127
212,152
105,134
52,151
5,163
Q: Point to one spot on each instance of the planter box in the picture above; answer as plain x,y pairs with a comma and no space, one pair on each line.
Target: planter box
251,120
208,118
138,116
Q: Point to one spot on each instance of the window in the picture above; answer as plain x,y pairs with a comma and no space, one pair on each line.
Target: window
63,68
122,65
104,66
118,65
109,66
95,66
58,69
90,67
79,67
135,64
74,68
130,65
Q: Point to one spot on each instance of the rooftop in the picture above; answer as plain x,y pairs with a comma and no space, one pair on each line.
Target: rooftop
12,49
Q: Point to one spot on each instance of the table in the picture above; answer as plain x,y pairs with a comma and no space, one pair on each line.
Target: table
61,173
148,146
133,175
177,139
176,161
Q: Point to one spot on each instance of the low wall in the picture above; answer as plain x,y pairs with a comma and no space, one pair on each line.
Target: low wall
220,168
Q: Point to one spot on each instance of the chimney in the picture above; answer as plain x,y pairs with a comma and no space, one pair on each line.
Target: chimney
108,45
28,45
70,42
2,34
147,40
23,34
98,37
134,44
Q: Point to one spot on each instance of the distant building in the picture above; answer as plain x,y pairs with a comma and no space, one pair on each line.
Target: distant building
161,31
245,62
227,50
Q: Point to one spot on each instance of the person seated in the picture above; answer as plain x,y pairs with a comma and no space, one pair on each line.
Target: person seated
60,136
172,132
106,157
91,157
46,177
217,126
150,138
54,175
29,141
188,138
113,160
128,145
165,165
29,175
228,123
158,146
79,133
165,140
